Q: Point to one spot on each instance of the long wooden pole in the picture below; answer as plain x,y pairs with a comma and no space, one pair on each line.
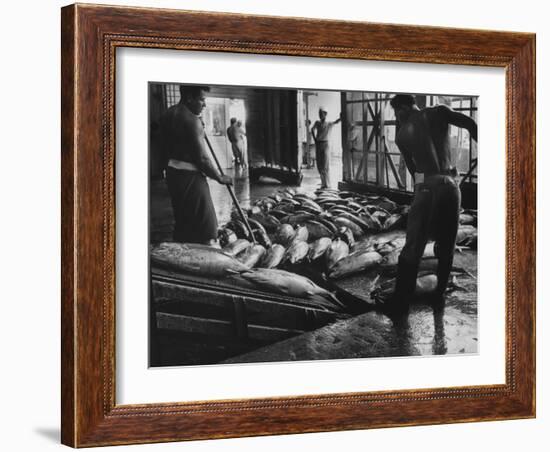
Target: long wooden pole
231,192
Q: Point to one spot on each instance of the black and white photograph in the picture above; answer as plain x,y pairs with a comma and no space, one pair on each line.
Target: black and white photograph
303,224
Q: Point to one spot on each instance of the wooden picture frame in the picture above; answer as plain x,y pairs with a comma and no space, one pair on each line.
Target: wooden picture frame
90,36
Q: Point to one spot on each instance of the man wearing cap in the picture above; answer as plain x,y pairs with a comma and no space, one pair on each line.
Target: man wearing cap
183,144
423,139
321,134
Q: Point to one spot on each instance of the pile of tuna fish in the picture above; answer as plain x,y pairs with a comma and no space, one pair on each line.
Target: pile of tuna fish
339,233
206,260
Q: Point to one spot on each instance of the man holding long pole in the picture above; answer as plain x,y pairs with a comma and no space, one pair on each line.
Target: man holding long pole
183,144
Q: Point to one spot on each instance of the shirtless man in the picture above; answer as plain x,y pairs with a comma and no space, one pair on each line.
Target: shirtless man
183,142
321,134
423,139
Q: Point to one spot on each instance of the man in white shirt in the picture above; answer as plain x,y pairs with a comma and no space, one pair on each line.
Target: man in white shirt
321,134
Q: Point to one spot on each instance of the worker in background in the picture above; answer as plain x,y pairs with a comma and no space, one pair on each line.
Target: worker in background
240,135
237,157
321,135
183,143
423,140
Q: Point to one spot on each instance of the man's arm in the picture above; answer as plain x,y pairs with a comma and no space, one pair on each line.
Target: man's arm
197,149
313,129
408,161
460,120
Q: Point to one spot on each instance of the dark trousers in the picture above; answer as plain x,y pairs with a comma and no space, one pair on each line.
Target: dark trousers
434,213
194,214
322,155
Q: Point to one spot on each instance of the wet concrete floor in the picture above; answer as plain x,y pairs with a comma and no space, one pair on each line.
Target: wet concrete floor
452,329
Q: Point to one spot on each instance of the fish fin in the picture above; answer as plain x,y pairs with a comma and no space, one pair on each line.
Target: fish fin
335,300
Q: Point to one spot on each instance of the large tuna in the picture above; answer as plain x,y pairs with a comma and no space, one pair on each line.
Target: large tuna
269,222
301,234
356,262
298,218
336,251
465,232
296,252
290,284
318,248
236,247
251,255
273,257
388,247
284,235
261,237
355,229
316,230
226,236
425,285
196,259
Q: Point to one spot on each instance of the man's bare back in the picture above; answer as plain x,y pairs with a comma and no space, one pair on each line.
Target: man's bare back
423,138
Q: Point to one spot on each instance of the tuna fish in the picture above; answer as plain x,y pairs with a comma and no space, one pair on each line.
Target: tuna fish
354,205
284,235
386,204
254,210
296,252
357,220
324,220
290,284
464,233
316,230
381,216
336,251
256,225
384,237
251,255
425,285
372,222
261,237
355,229
299,196
269,222
301,234
356,262
196,259
273,257
388,247
346,235
226,236
240,229
236,247
467,219
277,198
295,219
311,205
318,248
277,213
394,221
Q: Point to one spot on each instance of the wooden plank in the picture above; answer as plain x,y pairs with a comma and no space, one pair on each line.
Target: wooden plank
240,317
211,327
191,301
